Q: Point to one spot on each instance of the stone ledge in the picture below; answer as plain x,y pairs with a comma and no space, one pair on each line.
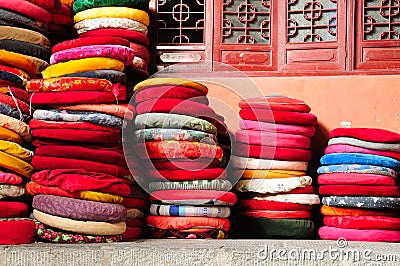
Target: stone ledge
204,252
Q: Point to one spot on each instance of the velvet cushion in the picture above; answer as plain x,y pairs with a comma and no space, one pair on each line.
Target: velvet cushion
189,211
279,117
25,48
11,191
15,165
363,222
68,84
367,134
17,231
360,158
40,65
357,168
8,135
250,174
280,103
364,202
340,211
131,233
80,5
355,179
194,197
72,97
27,9
277,214
167,222
169,134
166,91
264,164
104,23
76,135
383,146
359,190
155,82
113,76
187,175
78,209
45,124
131,35
202,184
24,35
34,188
140,51
100,40
19,61
14,19
372,235
190,233
118,52
309,199
9,178
343,148
53,235
15,150
176,164
272,139
271,152
134,203
19,93
252,204
13,209
277,185
50,5
90,228
164,120
74,180
135,222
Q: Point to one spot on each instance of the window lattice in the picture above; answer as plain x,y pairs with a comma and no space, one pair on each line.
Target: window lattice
381,19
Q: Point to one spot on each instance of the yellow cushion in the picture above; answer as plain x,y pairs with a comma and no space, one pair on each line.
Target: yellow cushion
16,126
171,81
113,12
102,197
270,173
19,61
15,165
82,65
6,134
16,150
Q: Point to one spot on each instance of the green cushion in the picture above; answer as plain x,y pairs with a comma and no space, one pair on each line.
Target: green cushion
81,5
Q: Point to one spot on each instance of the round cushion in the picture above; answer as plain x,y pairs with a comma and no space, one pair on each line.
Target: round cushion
140,51
271,152
167,91
155,82
178,149
194,197
118,52
72,97
69,84
160,134
53,235
264,164
8,135
12,18
80,5
279,117
190,233
104,23
367,134
395,147
252,204
131,35
177,223
46,124
359,190
11,209
165,120
276,185
363,222
202,184
17,231
250,174
173,210
133,213
272,139
25,48
280,103
131,233
179,164
333,233
362,202
79,42
134,203
343,148
339,211
40,64
76,135
9,178
83,227
119,110
277,214
82,65
27,9
19,61
99,196
360,158
24,35
358,169
355,179
79,209
308,199
15,165
113,76
113,12
188,175
51,5
252,227
15,150
307,131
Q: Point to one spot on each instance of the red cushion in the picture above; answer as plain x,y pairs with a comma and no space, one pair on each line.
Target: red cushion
272,139
185,164
140,51
278,214
44,124
132,233
110,146
98,40
19,93
77,135
176,106
135,222
166,91
344,148
9,178
363,190
363,222
34,188
134,203
50,5
10,209
333,233
62,20
169,222
53,163
131,35
355,179
72,97
281,103
270,152
27,9
68,84
73,180
251,204
227,198
15,103
186,175
17,231
366,134
279,117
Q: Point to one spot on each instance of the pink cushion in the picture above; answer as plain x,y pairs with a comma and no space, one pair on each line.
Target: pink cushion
307,131
203,197
355,179
99,40
131,35
272,139
363,222
359,190
367,134
280,103
190,174
270,152
344,148
333,233
72,97
280,117
27,9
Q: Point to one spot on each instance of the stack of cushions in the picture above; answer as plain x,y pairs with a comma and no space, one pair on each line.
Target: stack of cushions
358,182
15,166
176,136
117,18
271,154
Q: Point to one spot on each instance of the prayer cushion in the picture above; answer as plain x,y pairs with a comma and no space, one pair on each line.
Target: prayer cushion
263,164
362,190
360,158
252,204
131,35
216,184
11,209
271,152
68,84
15,150
45,124
104,23
17,231
166,91
277,214
19,61
343,148
307,131
272,139
27,9
100,40
280,103
362,202
25,48
357,168
15,165
190,233
188,175
367,134
113,76
167,134
279,117
276,185
24,35
76,135
363,222
173,210
78,209
177,223
155,82
80,5
72,97
333,233
177,164
355,179
113,12
194,197
340,211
